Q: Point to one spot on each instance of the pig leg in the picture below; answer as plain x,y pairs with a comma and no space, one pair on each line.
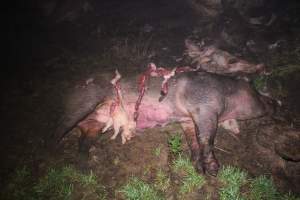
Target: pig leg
89,131
116,131
109,123
190,135
206,123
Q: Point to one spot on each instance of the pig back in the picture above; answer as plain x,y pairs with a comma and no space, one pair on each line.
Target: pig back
198,89
228,97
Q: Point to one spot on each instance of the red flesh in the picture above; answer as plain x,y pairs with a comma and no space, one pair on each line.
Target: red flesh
117,101
153,71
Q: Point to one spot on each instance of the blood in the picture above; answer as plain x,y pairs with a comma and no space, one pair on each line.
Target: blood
117,86
153,71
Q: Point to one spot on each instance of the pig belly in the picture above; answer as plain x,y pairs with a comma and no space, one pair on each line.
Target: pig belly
242,106
155,114
152,112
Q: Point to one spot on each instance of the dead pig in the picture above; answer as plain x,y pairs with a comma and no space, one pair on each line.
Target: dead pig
214,60
198,100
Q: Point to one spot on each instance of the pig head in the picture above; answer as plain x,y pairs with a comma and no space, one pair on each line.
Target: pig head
214,60
200,101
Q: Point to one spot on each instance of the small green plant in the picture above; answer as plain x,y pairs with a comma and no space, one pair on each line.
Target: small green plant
230,193
175,144
17,188
191,179
162,181
157,151
137,189
263,188
60,183
260,82
289,196
232,175
232,178
55,184
183,164
191,182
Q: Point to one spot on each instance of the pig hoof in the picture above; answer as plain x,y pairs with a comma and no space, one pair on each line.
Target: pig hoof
84,145
211,167
113,137
195,156
198,167
197,164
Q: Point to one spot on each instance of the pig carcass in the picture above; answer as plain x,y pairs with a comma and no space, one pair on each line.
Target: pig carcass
214,60
200,101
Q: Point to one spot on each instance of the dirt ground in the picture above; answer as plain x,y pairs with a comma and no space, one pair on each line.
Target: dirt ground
254,151
64,71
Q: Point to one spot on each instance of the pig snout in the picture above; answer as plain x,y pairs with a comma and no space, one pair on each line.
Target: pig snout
246,67
258,68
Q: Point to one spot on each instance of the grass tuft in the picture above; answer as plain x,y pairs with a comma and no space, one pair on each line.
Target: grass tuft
175,144
55,184
157,151
191,179
162,181
232,178
137,189
260,82
289,196
263,188
183,164
232,175
17,188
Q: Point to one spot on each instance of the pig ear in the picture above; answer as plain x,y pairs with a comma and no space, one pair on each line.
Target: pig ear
118,75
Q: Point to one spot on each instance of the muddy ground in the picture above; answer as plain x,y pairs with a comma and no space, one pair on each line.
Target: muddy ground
59,72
